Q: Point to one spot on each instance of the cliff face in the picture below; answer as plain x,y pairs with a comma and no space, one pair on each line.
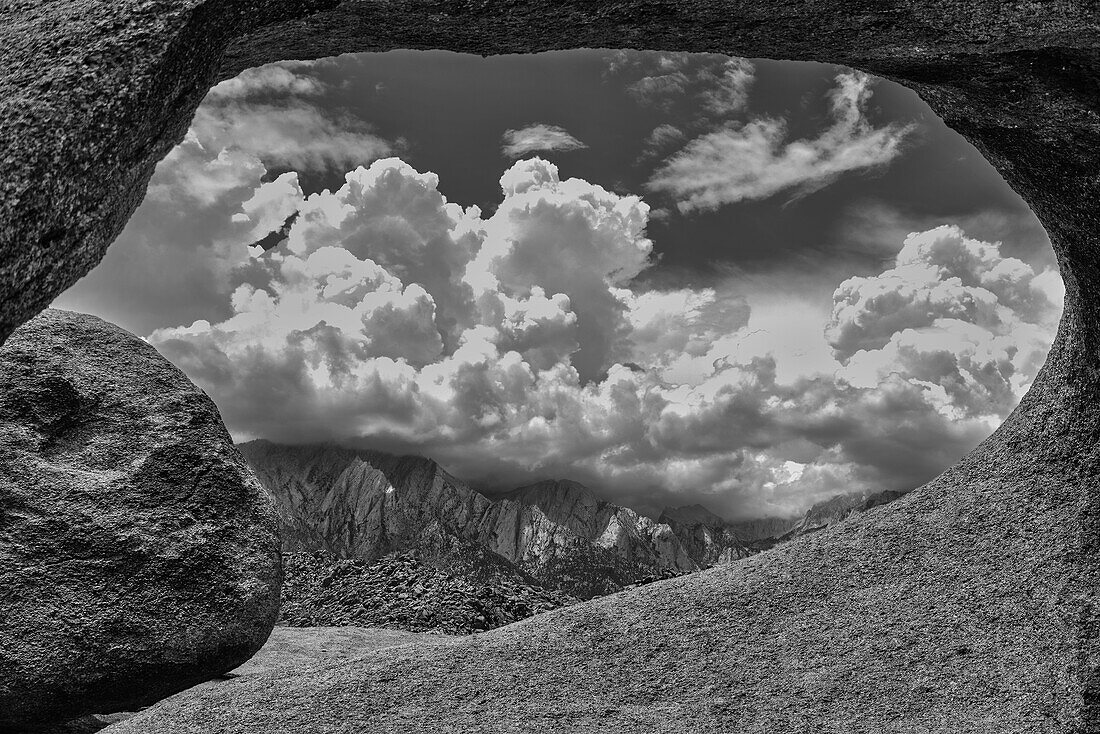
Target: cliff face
578,517
563,534
835,509
361,504
711,540
364,504
557,533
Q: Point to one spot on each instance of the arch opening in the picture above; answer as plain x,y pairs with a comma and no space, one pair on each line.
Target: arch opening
677,279
1019,82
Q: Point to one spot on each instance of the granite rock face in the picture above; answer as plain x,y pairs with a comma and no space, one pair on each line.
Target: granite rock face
575,509
367,504
969,605
711,540
138,555
567,538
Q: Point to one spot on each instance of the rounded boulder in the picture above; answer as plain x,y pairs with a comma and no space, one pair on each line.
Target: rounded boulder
138,553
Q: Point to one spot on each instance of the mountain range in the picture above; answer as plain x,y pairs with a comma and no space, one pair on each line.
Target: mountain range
554,534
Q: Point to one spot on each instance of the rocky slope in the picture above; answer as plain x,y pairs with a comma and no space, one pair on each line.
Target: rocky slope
712,540
554,535
956,597
402,592
365,505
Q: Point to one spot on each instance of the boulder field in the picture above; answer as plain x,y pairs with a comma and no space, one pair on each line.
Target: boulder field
970,605
138,554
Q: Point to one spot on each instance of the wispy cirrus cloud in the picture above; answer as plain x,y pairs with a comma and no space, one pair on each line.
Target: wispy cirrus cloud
755,160
718,84
539,137
279,114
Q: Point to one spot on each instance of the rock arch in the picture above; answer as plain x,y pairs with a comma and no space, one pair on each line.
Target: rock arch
970,605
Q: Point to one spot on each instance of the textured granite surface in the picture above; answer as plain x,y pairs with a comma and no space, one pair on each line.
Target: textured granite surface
138,554
967,606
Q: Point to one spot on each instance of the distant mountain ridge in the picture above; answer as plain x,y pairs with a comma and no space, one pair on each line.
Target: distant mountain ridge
367,504
361,504
711,540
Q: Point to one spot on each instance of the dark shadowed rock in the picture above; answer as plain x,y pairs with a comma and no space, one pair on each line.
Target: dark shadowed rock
138,554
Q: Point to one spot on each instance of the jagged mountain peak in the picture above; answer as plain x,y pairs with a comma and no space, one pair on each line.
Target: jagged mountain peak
358,503
550,495
566,502
369,504
552,488
691,515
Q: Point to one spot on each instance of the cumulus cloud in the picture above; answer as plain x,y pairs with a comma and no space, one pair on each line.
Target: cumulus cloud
754,160
273,79
520,344
570,237
213,192
965,324
538,137
174,259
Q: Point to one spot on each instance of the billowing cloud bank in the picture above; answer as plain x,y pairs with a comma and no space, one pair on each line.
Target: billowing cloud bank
517,344
211,194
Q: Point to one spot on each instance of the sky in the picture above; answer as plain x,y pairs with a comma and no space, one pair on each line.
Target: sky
675,278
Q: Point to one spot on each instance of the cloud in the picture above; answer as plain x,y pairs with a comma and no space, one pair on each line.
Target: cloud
718,84
521,345
729,92
396,217
754,160
966,324
570,237
209,199
293,135
662,137
273,79
538,137
277,114
173,260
